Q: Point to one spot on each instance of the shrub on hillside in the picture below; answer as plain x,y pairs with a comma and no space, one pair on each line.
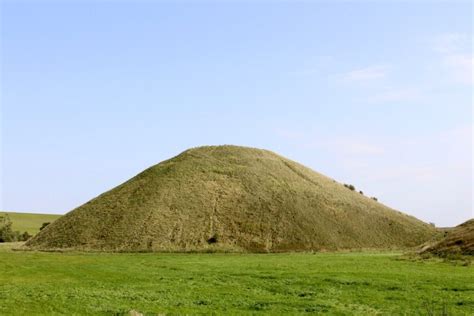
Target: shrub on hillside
25,236
350,187
44,225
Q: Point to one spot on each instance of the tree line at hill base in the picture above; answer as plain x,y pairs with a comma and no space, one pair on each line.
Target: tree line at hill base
7,234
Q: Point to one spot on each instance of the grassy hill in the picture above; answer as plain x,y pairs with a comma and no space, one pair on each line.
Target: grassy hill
29,222
231,198
458,240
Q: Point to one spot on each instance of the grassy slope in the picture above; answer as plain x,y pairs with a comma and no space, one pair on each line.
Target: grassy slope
247,198
33,283
458,240
29,222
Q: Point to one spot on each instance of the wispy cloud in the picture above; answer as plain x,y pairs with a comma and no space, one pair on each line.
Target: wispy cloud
318,65
365,74
416,173
455,51
396,95
463,132
447,43
355,147
346,145
378,90
460,67
288,134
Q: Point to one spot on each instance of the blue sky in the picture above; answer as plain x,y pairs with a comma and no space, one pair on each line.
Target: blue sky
377,94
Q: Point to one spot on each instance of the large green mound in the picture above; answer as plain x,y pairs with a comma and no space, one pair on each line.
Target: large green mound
231,198
459,240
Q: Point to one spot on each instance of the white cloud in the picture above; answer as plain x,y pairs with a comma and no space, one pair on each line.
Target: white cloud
456,56
463,133
460,67
395,95
415,173
450,42
353,146
457,144
346,145
290,134
365,74
318,65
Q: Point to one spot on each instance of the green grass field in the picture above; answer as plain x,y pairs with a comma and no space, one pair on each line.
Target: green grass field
35,283
28,221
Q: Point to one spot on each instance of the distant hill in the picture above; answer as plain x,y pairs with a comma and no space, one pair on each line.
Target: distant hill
458,240
29,222
231,198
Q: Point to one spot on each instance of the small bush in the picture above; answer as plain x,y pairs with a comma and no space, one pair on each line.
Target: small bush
374,198
350,187
212,240
25,236
43,226
361,192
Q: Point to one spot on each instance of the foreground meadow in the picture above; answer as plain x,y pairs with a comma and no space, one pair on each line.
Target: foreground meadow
35,283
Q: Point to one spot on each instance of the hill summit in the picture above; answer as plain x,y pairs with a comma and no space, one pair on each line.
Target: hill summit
233,199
